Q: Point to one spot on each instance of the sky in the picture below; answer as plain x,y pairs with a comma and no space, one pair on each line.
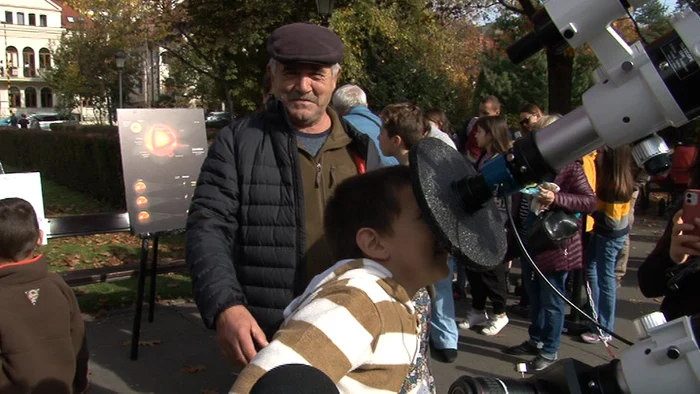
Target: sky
671,4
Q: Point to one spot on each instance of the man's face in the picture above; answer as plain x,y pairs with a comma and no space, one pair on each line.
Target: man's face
528,120
488,109
305,90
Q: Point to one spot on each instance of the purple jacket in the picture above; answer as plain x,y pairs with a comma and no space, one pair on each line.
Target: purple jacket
575,195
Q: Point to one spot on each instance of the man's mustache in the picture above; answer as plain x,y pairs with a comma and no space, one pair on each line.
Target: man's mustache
306,97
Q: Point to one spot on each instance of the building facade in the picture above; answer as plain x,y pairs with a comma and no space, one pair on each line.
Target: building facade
29,31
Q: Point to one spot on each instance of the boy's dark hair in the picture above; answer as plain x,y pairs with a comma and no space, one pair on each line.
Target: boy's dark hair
407,121
367,200
19,229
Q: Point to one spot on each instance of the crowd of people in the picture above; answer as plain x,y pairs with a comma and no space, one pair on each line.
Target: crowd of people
306,244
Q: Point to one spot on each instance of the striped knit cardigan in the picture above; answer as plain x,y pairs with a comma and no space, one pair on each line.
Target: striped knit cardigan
354,323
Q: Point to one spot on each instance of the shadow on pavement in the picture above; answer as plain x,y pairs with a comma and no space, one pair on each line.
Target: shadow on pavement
177,354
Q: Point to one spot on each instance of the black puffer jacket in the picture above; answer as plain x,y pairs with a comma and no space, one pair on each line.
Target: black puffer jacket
245,239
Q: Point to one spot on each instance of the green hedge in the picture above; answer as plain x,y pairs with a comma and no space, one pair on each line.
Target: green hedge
89,161
86,129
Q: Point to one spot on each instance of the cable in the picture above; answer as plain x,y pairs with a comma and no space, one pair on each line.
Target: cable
522,247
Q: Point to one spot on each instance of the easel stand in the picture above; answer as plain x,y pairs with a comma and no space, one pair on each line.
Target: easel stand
141,289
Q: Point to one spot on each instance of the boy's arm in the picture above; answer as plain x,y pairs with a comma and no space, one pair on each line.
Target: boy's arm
77,328
335,333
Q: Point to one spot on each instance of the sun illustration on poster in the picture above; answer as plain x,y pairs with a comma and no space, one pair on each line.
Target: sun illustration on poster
161,140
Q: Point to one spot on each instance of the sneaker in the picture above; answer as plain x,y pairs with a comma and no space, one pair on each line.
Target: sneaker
590,337
538,363
474,318
447,356
495,325
523,349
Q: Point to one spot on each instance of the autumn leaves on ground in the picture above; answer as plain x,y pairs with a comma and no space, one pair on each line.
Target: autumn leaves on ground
109,250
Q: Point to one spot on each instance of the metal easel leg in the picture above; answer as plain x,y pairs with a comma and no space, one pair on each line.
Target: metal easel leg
154,269
136,331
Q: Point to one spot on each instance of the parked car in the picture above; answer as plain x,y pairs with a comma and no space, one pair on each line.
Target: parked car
217,120
5,121
44,121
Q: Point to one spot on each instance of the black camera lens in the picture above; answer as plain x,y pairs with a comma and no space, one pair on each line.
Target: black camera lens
472,385
658,165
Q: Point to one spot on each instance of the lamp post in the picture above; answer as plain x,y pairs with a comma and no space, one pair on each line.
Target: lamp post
325,8
119,60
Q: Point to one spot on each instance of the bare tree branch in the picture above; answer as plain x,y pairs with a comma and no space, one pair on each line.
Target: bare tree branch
193,44
528,7
511,8
190,64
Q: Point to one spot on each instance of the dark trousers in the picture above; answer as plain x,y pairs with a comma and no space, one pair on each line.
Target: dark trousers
491,284
547,310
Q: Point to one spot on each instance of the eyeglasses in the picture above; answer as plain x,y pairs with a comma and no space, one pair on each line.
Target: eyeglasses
526,121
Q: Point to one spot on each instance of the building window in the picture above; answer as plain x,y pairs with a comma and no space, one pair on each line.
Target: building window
32,19
15,100
8,17
20,18
30,97
46,98
70,19
42,21
29,62
44,58
12,60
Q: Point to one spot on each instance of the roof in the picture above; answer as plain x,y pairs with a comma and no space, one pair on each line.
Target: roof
69,16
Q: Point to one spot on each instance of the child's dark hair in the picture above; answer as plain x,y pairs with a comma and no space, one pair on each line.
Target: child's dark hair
407,121
19,229
368,200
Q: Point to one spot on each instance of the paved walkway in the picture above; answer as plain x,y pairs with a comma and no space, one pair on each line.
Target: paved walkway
178,355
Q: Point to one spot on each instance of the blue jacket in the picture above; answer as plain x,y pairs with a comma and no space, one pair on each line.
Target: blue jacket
361,118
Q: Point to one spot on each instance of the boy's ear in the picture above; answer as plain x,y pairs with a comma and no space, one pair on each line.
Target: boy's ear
371,245
398,141
41,238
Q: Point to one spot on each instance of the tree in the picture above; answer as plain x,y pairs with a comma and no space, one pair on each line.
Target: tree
652,19
403,50
224,41
84,71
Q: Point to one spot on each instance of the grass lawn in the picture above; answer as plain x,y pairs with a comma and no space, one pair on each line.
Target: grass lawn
109,250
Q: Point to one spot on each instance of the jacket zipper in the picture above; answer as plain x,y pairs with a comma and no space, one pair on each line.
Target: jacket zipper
319,174
299,271
332,180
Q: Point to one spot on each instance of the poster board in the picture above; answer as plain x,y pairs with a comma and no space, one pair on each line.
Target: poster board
27,186
162,153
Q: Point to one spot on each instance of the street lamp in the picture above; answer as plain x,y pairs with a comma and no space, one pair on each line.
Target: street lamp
119,60
325,8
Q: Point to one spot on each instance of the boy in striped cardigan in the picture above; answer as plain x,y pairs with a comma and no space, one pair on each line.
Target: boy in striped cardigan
355,322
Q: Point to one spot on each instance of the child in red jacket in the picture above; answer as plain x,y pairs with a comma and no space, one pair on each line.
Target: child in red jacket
42,334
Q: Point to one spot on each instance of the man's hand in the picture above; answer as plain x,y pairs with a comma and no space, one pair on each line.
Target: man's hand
683,245
238,333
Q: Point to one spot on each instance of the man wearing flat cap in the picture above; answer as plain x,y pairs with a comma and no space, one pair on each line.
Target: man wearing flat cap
254,232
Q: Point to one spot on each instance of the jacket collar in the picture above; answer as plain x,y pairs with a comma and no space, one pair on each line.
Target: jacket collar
24,271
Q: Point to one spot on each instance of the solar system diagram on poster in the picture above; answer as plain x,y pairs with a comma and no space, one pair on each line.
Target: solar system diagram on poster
162,153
